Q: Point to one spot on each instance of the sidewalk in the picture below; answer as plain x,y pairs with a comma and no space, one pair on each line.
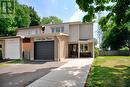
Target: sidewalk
71,74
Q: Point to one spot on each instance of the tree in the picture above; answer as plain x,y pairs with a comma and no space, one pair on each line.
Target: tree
7,26
115,25
51,20
35,19
22,16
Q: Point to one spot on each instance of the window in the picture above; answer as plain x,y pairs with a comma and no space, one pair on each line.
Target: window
26,40
83,47
57,29
53,30
62,29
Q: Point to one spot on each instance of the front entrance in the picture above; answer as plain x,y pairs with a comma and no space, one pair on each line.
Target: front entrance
83,51
73,50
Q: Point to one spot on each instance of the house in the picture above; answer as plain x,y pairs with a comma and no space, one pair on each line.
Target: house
56,41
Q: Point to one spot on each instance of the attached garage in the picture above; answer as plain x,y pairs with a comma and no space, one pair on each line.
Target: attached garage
12,48
44,50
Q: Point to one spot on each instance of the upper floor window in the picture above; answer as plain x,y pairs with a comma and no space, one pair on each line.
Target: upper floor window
62,29
57,29
53,30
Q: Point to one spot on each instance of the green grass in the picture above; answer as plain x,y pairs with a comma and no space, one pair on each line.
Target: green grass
15,61
110,71
3,65
7,63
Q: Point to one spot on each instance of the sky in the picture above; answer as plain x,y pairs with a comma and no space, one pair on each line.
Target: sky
67,10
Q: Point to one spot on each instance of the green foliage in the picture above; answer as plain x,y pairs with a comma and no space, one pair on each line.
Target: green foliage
115,26
35,19
96,52
92,6
7,26
51,20
124,48
24,17
115,38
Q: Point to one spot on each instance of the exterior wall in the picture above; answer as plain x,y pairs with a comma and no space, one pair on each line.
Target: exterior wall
32,49
86,31
61,48
28,49
90,48
73,33
12,48
29,32
56,48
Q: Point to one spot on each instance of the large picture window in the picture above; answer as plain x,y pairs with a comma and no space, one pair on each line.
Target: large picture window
83,47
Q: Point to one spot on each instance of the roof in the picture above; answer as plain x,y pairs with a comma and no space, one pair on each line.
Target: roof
76,22
10,37
31,27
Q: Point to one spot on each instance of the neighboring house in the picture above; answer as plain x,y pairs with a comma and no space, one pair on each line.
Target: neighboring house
57,41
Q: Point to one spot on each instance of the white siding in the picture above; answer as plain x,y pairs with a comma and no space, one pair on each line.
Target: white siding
48,30
12,48
86,31
74,33
66,29
27,32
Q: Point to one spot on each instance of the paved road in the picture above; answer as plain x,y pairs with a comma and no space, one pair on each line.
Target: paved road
71,74
20,75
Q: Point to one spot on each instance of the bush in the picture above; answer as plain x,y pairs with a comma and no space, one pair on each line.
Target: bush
96,52
124,48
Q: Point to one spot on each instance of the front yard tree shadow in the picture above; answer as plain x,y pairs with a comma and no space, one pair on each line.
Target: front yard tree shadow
117,76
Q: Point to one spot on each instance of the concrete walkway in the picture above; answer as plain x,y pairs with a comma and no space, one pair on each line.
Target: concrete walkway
71,74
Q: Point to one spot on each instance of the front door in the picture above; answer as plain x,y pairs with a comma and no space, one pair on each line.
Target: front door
73,50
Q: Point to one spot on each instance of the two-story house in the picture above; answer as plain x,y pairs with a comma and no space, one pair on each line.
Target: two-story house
57,41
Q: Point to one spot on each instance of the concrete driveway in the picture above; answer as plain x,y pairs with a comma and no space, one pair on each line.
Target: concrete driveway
20,75
71,74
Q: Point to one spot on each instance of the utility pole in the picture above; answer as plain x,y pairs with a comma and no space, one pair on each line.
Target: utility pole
99,32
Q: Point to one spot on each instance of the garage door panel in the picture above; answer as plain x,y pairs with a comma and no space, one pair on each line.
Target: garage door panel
12,48
44,50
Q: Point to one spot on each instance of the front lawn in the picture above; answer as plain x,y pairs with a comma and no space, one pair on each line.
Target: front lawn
110,71
6,63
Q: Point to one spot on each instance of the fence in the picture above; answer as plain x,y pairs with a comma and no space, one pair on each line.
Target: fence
114,53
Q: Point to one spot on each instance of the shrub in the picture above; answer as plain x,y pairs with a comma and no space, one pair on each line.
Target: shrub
124,48
96,52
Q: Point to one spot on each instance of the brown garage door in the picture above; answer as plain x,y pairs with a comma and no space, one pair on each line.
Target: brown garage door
44,50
